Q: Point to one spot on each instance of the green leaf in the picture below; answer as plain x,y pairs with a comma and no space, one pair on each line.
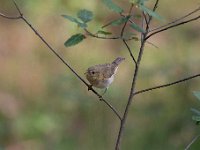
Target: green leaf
74,39
103,32
196,118
113,6
197,94
138,1
150,12
197,112
72,19
85,15
120,21
136,27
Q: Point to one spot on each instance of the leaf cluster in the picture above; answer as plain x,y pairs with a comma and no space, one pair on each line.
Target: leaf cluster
196,116
83,17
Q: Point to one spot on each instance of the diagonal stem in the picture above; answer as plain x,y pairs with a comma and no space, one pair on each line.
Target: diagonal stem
175,21
130,52
193,140
172,26
166,85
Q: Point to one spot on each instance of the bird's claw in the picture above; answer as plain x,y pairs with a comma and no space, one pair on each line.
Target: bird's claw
89,87
100,98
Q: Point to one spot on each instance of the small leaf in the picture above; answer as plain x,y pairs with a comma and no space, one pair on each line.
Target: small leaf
196,118
197,94
197,112
113,6
72,19
150,12
74,39
119,21
85,15
136,27
138,1
103,32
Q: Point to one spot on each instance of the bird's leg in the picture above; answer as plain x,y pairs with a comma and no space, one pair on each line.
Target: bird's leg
105,91
89,87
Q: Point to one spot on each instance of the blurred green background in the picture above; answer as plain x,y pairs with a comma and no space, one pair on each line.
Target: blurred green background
44,106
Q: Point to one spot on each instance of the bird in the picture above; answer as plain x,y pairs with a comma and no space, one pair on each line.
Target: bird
102,75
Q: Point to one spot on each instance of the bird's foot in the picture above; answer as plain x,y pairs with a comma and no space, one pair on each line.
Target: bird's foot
89,87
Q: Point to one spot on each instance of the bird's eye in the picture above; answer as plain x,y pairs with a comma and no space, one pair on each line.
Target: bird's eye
93,72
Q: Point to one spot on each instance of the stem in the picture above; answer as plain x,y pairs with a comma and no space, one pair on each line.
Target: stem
101,37
179,19
131,54
135,75
166,85
172,26
130,99
193,140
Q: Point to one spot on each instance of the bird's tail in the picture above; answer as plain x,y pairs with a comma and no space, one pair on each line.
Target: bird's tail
118,60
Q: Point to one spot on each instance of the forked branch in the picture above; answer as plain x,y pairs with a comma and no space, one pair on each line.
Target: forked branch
176,20
21,16
172,26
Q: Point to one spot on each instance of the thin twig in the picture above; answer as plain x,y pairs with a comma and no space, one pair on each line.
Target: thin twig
179,19
122,34
130,52
17,7
113,109
9,17
100,37
166,85
172,26
145,18
124,26
193,140
54,51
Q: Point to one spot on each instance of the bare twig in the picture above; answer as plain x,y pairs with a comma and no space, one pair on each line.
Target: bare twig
193,140
166,85
122,34
145,18
179,19
9,17
130,52
124,26
172,26
54,51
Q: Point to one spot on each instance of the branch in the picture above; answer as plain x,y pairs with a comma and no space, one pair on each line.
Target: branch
193,140
10,17
154,9
54,51
100,37
166,85
145,18
122,34
179,19
133,84
130,52
172,26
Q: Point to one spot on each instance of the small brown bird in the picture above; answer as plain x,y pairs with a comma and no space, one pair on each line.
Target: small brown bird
101,76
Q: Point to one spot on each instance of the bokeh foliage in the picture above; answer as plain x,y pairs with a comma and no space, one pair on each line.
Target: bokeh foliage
44,106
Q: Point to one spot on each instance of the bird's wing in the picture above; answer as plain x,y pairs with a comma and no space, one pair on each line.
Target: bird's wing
107,70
